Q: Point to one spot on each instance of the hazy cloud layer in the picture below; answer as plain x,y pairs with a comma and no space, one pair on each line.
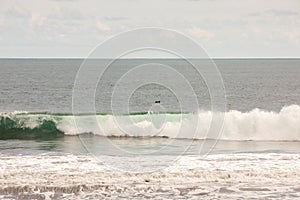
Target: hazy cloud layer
71,28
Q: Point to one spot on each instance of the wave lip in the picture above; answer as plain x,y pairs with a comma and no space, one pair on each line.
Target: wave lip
24,126
253,125
263,125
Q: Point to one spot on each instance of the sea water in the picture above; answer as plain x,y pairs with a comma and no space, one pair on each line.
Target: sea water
45,155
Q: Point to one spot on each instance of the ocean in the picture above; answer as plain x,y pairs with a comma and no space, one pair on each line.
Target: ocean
49,152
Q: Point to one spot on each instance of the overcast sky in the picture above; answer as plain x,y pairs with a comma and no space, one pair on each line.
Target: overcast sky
225,28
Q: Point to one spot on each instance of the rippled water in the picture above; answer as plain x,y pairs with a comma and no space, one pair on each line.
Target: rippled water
43,155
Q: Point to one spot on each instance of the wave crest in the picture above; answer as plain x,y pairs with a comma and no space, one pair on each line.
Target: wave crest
253,125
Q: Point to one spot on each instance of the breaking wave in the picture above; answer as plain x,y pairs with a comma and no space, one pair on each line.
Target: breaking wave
256,124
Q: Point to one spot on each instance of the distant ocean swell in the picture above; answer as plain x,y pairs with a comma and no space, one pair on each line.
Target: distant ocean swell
253,125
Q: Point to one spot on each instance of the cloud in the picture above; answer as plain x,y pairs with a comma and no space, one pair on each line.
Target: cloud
64,0
274,12
201,33
114,18
101,26
16,13
254,14
242,27
61,25
293,36
283,12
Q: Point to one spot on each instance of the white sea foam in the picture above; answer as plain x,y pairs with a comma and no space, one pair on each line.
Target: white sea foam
253,125
228,176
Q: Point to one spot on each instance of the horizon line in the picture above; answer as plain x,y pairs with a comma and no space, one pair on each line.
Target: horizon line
150,58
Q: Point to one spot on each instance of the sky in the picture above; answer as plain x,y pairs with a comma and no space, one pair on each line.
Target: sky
224,28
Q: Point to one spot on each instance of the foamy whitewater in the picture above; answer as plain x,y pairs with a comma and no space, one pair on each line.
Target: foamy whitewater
46,152
232,176
253,125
